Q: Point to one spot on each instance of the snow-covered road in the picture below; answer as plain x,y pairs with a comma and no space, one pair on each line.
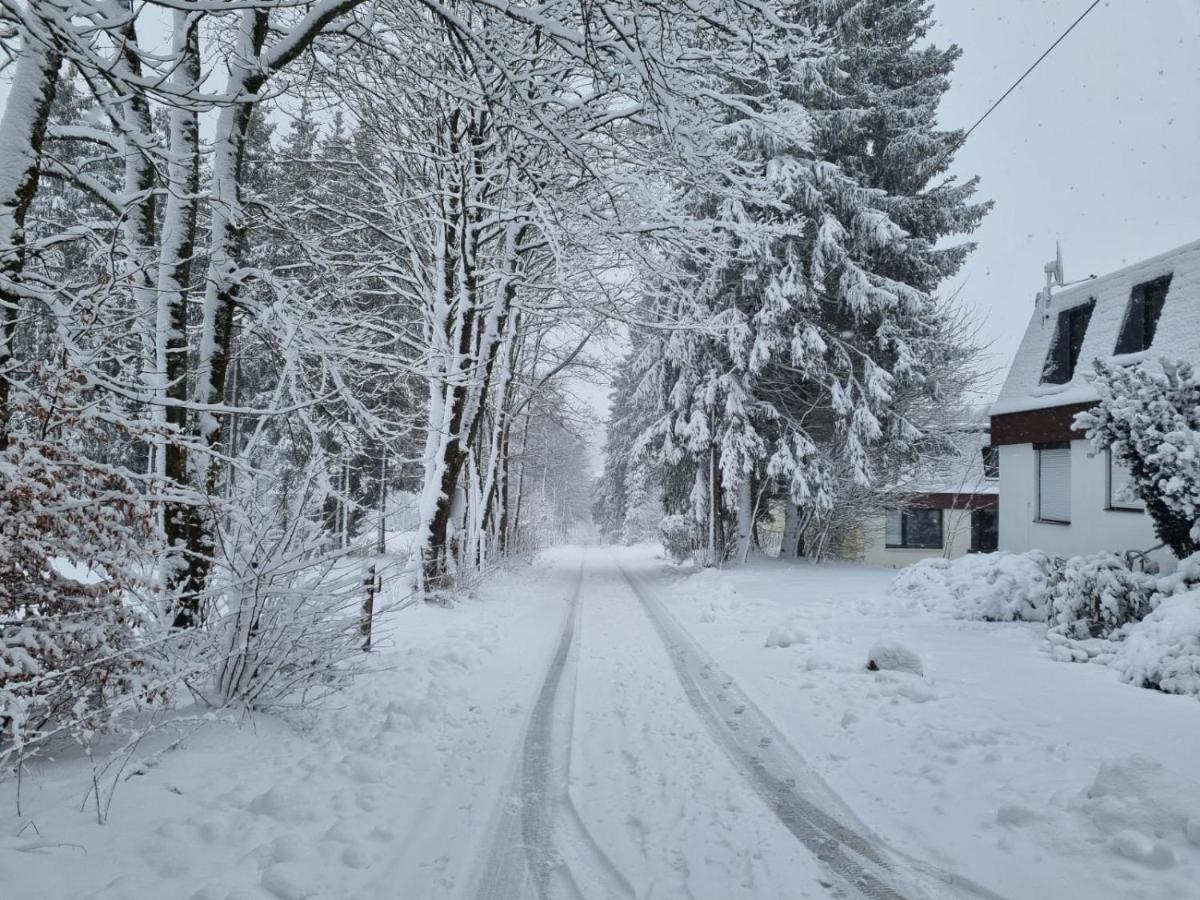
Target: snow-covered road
646,724
601,725
622,791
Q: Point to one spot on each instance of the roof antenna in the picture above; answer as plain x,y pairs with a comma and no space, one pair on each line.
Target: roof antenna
1054,274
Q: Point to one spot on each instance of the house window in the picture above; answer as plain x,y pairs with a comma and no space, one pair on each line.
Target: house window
1121,493
991,463
913,529
1068,342
1054,483
985,530
1141,319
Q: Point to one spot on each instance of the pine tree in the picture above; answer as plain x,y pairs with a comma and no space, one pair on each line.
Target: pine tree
816,330
1149,419
880,126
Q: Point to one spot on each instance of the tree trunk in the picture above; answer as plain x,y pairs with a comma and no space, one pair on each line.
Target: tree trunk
22,130
793,528
222,288
745,519
177,248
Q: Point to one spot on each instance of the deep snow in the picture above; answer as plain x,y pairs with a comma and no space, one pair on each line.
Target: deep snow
1035,778
550,736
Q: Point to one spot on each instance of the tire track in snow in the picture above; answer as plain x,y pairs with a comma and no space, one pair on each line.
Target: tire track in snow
542,850
781,777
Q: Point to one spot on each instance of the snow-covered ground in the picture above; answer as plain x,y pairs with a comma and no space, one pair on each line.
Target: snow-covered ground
1035,778
601,724
387,794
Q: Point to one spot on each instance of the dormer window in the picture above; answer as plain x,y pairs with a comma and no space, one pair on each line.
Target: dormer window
1141,319
1068,342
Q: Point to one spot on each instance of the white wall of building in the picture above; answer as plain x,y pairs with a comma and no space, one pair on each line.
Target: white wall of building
1093,528
956,535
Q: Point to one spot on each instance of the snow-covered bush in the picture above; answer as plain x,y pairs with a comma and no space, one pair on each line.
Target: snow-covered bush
1149,416
678,534
1093,596
1163,650
994,587
74,597
1096,596
289,610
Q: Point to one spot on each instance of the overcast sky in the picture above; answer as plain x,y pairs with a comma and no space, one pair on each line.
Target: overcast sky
1099,148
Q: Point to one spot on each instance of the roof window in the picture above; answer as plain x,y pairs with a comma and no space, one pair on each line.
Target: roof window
1141,318
1068,342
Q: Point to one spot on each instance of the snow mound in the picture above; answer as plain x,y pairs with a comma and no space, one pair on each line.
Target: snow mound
1140,803
994,587
1136,846
1016,815
1163,650
787,633
711,591
895,657
1191,830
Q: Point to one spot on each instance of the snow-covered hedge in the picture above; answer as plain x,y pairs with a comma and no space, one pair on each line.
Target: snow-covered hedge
994,587
1096,596
1080,597
1093,596
1163,651
1097,608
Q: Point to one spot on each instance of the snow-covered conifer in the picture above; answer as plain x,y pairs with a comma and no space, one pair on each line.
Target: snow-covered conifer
1149,419
814,331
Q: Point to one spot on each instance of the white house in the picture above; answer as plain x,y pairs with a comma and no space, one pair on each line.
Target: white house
1055,495
946,509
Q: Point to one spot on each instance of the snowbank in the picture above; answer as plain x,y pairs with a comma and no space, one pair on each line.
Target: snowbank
793,631
995,587
1148,812
1163,650
712,592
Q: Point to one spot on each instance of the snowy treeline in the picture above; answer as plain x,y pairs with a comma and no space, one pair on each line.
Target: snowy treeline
262,265
803,355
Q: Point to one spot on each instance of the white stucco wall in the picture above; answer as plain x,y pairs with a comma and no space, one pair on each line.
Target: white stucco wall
1093,528
956,532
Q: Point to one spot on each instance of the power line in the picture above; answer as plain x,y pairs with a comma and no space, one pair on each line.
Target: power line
1016,84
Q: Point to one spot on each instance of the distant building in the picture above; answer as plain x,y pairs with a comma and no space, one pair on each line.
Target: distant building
946,508
1055,495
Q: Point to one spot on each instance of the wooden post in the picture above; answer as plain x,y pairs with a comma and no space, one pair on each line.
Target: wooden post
370,586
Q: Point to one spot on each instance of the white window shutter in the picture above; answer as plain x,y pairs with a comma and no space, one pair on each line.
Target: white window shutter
893,535
1054,484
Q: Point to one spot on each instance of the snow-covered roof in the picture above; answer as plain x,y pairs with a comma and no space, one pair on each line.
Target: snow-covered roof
959,473
1177,335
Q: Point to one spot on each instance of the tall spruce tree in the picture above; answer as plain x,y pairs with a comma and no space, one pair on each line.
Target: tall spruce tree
815,331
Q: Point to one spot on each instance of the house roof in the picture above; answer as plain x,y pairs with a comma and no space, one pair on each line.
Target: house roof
1177,335
957,473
